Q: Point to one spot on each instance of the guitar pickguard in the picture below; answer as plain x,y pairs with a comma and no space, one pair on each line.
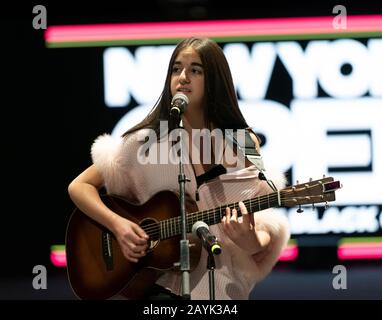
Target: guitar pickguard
154,230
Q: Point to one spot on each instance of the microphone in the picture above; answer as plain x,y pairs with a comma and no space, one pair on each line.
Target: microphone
209,241
179,104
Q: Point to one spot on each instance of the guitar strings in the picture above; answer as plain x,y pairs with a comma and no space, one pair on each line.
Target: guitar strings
173,224
172,227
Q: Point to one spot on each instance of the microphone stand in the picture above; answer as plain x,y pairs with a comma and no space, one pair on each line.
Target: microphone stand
211,274
212,247
184,243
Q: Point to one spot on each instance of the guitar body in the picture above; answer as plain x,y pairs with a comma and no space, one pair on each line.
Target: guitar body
96,266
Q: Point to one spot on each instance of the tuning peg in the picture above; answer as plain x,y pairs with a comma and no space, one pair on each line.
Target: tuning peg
326,205
310,179
300,210
313,207
323,176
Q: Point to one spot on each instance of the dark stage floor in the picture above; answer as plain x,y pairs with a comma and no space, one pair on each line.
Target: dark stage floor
364,281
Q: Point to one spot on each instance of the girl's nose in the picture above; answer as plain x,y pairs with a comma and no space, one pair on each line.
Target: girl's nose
183,78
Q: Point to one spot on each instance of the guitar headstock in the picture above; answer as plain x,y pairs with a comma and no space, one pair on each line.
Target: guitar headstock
316,191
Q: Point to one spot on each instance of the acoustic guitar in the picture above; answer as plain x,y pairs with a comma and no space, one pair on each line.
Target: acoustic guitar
97,268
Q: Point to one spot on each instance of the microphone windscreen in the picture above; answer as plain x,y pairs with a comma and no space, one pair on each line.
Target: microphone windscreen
197,225
180,96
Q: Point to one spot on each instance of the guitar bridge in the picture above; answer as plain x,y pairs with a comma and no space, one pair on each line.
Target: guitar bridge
107,250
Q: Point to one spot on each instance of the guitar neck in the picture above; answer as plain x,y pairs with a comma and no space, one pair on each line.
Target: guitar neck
172,227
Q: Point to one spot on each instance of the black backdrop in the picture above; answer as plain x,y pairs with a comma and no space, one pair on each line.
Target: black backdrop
51,110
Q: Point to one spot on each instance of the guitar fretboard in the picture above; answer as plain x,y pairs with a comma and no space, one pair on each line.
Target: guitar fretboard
172,227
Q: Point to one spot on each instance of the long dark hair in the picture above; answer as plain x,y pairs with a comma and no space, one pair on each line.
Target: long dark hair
220,102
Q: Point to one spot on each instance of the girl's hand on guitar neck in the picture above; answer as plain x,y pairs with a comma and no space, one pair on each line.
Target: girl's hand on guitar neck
243,233
131,238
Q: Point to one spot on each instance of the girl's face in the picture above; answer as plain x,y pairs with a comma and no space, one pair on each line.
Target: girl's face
188,76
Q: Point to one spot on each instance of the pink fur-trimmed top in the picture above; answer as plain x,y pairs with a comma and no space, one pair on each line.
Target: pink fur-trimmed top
236,271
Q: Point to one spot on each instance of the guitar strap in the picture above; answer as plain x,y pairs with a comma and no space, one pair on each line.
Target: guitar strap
248,148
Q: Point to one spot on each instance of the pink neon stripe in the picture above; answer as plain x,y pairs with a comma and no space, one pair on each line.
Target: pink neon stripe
361,245
184,34
345,252
223,28
360,251
58,259
289,253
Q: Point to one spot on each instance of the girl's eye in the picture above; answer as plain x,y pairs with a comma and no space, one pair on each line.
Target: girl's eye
197,71
175,69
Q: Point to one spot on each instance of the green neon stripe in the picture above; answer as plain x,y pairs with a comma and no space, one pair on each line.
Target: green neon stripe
337,35
304,36
292,242
360,240
112,43
57,247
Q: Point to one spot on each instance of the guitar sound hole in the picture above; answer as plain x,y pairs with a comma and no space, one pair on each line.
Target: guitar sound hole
151,227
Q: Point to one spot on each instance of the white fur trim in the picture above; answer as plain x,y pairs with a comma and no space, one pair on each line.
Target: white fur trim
106,156
278,227
104,150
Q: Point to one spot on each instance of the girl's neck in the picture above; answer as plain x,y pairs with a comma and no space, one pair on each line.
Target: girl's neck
194,120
